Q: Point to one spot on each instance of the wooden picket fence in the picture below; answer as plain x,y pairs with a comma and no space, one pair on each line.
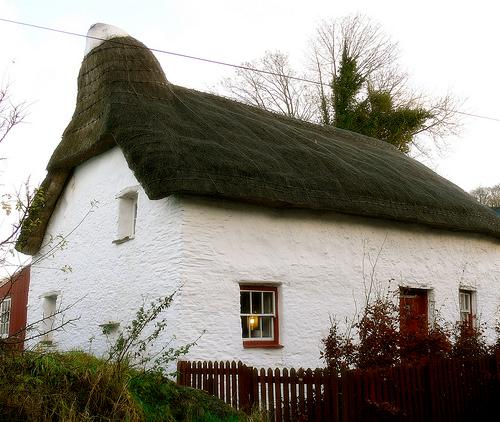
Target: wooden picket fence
444,390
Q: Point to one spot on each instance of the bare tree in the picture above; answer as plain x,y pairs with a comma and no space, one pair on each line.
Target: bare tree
375,53
18,206
14,212
273,91
376,57
11,113
376,65
489,196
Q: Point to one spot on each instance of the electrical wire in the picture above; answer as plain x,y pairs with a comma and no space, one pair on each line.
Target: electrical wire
218,62
172,53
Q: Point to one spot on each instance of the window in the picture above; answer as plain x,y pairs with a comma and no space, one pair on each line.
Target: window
466,298
259,316
4,316
413,310
48,323
127,215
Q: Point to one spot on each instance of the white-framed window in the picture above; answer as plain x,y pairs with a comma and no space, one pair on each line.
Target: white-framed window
5,310
259,316
466,300
127,214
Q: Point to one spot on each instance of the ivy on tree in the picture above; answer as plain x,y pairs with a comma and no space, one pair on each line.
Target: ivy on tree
360,88
375,113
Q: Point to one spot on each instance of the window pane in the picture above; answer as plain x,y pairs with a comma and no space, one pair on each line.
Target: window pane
4,310
244,326
256,302
268,303
255,326
462,301
4,317
465,300
267,327
245,302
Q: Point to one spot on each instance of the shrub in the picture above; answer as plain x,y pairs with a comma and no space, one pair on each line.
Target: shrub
469,341
382,344
425,344
378,335
339,351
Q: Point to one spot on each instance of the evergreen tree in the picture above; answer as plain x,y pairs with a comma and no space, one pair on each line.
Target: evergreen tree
371,112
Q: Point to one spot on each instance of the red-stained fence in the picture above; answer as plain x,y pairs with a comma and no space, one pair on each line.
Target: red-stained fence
444,390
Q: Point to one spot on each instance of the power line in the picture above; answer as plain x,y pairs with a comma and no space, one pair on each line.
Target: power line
158,50
477,115
187,56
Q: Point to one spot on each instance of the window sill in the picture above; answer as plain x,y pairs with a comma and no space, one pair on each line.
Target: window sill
261,345
123,240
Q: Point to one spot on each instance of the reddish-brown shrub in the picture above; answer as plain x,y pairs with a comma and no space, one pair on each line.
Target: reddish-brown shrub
425,343
469,341
339,351
378,335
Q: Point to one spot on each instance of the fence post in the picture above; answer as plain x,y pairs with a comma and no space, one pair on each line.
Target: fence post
245,387
497,355
180,373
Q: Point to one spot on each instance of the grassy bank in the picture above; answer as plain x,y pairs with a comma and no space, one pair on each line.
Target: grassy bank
76,386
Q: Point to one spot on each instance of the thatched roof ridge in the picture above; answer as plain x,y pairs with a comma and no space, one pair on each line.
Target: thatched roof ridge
178,140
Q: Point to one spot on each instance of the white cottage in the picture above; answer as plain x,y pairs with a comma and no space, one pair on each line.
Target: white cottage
264,225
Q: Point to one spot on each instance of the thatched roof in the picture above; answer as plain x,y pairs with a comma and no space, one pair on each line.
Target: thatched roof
181,141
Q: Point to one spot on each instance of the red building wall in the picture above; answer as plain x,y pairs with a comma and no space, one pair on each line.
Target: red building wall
17,290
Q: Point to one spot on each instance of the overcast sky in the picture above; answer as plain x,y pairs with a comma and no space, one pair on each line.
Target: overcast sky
446,46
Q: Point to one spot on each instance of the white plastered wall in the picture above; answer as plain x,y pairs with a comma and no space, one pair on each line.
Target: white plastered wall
206,248
107,281
321,263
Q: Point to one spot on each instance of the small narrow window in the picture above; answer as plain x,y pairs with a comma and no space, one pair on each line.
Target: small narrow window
127,215
466,302
48,323
259,316
5,316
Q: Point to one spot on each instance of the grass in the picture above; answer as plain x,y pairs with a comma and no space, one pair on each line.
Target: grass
76,386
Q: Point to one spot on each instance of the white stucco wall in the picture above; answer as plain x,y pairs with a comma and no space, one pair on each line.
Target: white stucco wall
108,281
206,248
319,261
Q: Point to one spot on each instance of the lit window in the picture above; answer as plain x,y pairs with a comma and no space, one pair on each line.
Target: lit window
259,316
466,298
4,317
127,215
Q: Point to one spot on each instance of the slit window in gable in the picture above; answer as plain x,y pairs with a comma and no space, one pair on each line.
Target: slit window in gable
127,215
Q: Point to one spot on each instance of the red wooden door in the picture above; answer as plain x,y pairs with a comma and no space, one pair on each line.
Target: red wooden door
413,310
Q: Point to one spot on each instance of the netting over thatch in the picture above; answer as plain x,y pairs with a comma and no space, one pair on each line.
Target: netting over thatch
177,140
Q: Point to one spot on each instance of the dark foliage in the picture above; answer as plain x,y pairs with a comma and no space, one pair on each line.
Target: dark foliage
469,341
378,335
373,113
339,351
381,343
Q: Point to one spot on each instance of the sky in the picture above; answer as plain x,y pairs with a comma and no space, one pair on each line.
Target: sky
446,46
